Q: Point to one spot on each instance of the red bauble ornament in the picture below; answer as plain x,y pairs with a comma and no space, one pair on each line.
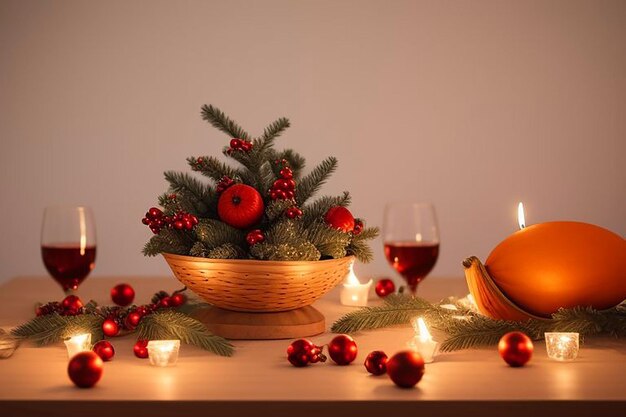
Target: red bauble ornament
376,362
286,173
178,299
515,348
110,327
405,368
104,349
342,349
132,319
85,369
240,206
122,294
384,287
141,349
340,218
301,352
72,304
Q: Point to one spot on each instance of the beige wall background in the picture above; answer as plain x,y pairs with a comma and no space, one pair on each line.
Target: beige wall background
473,105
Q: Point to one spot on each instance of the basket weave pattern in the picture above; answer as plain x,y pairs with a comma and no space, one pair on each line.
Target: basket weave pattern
258,286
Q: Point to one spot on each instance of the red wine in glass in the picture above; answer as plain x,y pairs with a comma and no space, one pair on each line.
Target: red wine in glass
68,244
411,239
68,264
412,260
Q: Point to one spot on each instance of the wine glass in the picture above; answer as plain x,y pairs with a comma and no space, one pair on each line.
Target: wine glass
68,244
411,239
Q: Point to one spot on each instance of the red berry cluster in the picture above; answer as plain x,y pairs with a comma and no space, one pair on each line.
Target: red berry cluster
255,236
302,352
283,188
156,220
293,212
224,183
239,145
128,319
70,306
358,227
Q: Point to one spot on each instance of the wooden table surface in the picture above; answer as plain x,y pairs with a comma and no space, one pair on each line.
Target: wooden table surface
258,379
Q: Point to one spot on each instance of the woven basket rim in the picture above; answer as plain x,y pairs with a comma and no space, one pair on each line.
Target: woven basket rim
253,262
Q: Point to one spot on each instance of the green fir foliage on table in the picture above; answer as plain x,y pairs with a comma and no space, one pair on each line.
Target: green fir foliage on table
307,237
467,328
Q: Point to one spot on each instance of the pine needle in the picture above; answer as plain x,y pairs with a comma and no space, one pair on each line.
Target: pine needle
170,324
312,182
220,121
51,328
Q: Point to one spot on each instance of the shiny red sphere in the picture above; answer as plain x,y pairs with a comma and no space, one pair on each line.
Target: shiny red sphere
71,303
141,349
376,362
240,206
405,368
110,327
85,369
342,349
384,287
122,294
299,352
178,299
339,217
132,319
515,348
104,349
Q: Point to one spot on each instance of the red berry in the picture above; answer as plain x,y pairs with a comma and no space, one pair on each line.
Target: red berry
286,173
273,195
146,221
235,143
110,328
289,194
132,319
178,299
281,195
164,302
155,213
254,237
155,230
179,225
141,349
358,227
104,349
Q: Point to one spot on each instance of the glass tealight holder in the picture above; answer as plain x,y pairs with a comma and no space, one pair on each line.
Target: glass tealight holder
77,344
163,352
562,346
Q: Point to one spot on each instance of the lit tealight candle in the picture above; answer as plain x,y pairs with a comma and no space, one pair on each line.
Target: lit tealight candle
77,344
353,292
562,346
163,352
423,342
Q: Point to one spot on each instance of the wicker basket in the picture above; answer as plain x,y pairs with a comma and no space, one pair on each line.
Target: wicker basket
258,286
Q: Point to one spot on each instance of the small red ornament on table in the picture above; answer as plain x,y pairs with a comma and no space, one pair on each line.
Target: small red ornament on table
376,362
132,319
342,349
516,349
340,218
384,287
301,352
104,349
141,349
405,368
85,369
178,299
122,294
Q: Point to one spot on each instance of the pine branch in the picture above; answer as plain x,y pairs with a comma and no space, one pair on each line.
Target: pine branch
220,121
169,324
362,251
311,183
367,234
328,241
276,208
213,233
168,241
197,198
319,207
299,251
51,328
295,160
215,169
227,251
270,133
266,177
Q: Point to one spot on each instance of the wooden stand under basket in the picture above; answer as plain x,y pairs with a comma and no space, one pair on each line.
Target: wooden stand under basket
252,299
302,322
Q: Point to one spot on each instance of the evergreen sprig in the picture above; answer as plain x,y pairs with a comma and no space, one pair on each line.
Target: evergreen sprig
312,182
173,241
469,329
51,328
219,120
170,324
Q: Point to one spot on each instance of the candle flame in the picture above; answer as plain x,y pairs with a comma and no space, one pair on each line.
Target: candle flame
419,325
521,218
351,279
